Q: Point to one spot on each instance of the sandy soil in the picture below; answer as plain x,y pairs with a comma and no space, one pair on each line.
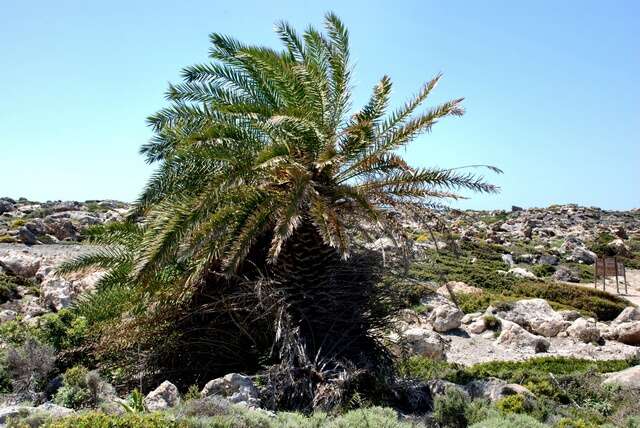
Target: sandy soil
633,286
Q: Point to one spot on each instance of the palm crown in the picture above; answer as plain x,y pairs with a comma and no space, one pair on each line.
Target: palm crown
260,141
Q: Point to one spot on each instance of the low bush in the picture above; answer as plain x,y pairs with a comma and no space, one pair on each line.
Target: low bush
8,288
15,333
542,270
509,421
369,417
74,392
450,409
29,367
516,403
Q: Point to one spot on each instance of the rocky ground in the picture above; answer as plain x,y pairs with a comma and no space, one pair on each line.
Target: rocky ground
556,245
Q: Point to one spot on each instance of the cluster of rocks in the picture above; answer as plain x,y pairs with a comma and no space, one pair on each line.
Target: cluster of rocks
233,388
515,331
32,223
43,290
544,225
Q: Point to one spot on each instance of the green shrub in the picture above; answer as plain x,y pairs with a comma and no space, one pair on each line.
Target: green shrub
15,332
19,222
479,410
542,270
575,423
424,368
450,409
64,329
369,417
74,392
509,421
101,420
516,403
8,288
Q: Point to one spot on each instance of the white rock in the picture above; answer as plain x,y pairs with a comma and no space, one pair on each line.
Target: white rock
164,396
469,318
629,313
584,330
56,293
54,410
7,315
537,316
521,273
21,264
515,337
235,387
426,343
508,259
494,389
477,327
445,317
627,378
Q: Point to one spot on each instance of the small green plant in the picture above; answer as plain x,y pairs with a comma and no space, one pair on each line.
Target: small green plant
491,322
193,393
510,421
542,270
19,222
516,403
135,403
75,391
450,409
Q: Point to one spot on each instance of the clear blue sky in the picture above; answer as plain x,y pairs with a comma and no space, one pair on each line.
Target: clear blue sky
551,87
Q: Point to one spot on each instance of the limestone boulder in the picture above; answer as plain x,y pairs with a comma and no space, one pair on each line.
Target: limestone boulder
163,397
235,387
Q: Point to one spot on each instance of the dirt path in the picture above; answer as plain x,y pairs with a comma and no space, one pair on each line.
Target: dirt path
633,286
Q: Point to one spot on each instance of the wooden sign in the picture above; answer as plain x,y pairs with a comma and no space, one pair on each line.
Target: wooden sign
609,266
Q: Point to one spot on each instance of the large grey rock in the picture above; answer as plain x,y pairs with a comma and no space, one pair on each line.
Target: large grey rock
630,313
584,330
445,317
6,206
548,260
235,387
517,338
535,315
426,343
582,255
619,248
521,273
494,389
56,293
627,378
566,275
19,263
164,396
27,237
628,332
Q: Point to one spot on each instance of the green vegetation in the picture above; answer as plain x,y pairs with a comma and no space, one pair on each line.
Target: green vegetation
74,393
500,288
233,417
8,288
449,409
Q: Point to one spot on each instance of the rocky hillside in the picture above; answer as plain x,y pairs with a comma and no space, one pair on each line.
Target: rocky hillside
31,223
487,293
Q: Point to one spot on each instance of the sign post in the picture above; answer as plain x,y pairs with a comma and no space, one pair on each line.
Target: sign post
610,266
